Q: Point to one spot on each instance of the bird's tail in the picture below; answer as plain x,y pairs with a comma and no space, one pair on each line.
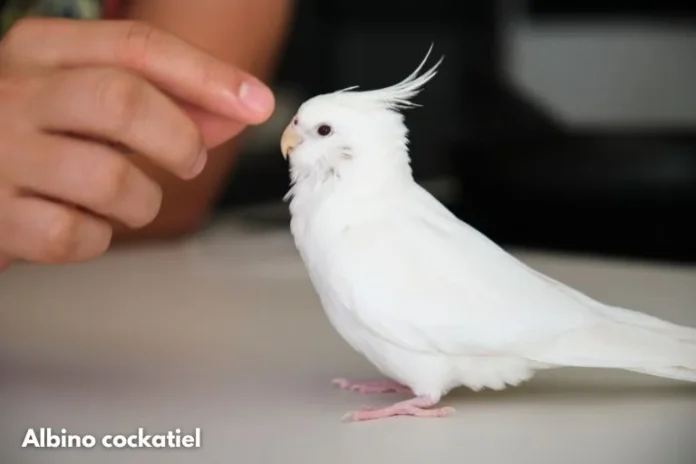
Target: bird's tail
623,315
625,339
652,323
674,373
668,352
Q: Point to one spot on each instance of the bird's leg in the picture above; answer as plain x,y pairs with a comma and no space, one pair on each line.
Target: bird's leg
376,386
415,407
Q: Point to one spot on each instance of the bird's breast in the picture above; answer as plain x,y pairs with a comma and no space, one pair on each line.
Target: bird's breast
321,237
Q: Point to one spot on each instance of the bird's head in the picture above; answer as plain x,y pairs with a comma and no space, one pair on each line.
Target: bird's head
334,134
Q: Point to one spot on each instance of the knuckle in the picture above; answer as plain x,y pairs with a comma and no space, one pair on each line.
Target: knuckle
60,237
118,97
137,40
111,181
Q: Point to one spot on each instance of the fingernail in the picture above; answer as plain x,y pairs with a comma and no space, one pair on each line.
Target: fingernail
199,165
255,96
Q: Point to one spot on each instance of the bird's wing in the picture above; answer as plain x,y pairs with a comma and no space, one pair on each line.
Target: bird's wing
425,281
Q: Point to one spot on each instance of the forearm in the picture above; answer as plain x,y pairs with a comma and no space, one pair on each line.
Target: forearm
246,34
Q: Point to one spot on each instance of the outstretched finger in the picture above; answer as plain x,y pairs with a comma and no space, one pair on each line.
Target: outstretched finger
168,62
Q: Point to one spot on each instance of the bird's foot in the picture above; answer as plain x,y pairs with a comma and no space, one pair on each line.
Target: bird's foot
376,386
416,407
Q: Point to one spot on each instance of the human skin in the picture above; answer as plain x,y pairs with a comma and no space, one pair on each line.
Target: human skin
59,204
248,35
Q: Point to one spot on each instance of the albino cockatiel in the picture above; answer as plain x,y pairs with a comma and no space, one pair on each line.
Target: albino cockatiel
430,301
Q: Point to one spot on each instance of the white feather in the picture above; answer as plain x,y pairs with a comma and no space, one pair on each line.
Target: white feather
398,96
430,301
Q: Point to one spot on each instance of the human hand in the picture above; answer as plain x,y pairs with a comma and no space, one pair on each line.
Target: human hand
76,98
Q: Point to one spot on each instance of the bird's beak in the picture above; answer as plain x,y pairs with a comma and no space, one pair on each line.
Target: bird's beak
289,141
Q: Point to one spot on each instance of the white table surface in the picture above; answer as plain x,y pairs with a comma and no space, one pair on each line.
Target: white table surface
224,332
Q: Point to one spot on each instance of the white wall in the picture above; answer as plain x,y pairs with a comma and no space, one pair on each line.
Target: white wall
608,75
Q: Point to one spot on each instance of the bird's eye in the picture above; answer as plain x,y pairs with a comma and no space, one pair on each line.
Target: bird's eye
295,121
324,130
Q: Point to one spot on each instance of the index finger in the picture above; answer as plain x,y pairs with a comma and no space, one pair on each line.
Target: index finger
167,61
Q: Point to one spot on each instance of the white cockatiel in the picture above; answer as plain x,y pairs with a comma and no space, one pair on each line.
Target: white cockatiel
430,301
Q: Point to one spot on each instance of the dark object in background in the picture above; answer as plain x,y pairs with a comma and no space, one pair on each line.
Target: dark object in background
616,194
615,9
526,180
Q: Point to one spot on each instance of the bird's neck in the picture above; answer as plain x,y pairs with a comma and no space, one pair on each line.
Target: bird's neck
367,176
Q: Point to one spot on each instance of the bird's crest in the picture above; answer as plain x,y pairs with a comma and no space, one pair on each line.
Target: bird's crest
397,96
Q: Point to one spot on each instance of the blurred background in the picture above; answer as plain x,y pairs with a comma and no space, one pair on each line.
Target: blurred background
557,125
